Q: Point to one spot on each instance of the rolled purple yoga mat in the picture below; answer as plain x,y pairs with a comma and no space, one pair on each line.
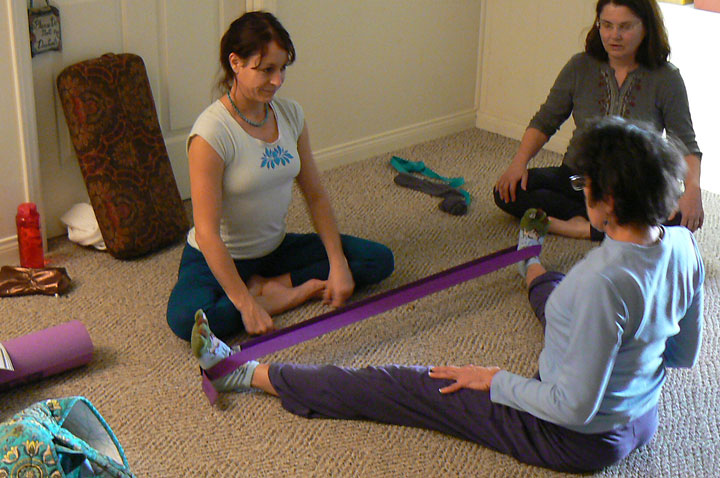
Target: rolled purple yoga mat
46,352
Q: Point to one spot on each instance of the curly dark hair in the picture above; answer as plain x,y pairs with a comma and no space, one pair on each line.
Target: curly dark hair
635,165
655,47
248,35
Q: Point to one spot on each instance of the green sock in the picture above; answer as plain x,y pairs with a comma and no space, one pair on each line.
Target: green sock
534,226
209,350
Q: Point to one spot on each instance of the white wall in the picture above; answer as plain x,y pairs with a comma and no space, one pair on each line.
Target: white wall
372,76
525,43
18,142
695,42
375,75
177,40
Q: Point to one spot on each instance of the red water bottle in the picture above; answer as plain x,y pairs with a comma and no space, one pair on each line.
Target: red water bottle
29,237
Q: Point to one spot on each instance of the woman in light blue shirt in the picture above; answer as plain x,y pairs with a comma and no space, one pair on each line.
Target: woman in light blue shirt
621,316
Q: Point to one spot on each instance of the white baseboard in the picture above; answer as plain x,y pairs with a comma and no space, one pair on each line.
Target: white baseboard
558,143
9,251
369,146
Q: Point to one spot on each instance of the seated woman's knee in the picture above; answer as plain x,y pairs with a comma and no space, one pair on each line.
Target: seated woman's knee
377,263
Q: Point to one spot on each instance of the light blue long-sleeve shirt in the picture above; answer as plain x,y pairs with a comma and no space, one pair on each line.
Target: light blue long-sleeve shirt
618,319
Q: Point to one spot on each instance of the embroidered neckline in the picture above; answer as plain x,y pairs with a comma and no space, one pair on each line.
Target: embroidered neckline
618,101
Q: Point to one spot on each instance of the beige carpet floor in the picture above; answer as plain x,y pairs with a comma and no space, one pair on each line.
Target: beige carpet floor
145,381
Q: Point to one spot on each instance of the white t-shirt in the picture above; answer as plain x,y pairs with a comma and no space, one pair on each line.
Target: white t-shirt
258,177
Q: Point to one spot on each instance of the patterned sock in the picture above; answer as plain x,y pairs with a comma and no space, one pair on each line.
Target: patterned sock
534,226
210,350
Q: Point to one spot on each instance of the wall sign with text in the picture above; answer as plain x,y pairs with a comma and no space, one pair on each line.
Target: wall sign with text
44,25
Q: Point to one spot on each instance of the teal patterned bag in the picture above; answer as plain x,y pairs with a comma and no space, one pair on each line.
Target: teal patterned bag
60,438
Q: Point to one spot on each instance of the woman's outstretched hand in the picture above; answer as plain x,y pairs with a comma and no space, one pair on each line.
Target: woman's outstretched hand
469,376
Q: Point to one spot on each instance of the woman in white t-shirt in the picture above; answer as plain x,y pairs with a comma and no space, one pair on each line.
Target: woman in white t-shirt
240,266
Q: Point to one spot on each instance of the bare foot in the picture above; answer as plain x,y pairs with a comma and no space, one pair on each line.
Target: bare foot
255,285
576,227
276,298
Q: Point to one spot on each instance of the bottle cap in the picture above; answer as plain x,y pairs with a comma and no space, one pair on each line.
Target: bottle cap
27,209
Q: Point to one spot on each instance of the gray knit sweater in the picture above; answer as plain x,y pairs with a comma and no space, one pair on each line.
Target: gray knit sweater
587,88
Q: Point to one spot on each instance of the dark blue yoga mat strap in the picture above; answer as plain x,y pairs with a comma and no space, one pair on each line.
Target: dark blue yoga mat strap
362,309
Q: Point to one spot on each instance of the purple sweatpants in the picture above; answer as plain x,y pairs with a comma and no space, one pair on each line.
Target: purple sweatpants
407,396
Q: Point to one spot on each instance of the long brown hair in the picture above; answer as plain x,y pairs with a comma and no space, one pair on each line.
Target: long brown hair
655,47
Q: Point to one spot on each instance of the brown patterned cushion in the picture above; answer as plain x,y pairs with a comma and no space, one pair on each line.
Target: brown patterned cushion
114,128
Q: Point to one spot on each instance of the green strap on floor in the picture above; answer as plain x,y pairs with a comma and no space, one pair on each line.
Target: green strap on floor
406,166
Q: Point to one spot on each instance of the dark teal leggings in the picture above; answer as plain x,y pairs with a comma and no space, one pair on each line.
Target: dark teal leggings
301,255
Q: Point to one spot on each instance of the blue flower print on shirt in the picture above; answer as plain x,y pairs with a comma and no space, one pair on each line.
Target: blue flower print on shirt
276,156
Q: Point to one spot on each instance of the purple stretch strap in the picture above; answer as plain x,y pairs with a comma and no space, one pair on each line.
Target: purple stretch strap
362,309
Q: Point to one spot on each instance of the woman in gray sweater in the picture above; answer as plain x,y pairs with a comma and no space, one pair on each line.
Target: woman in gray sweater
624,71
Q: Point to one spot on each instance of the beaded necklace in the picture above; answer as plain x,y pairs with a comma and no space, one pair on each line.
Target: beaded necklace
257,124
